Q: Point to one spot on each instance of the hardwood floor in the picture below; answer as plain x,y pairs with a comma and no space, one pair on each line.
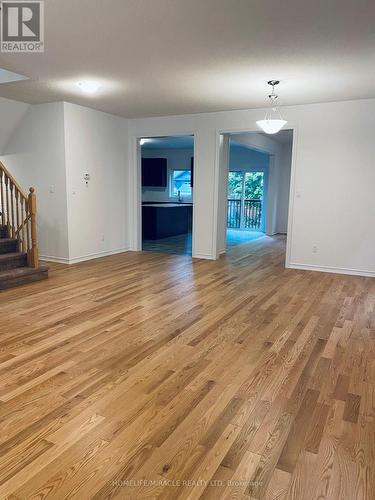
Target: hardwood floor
154,376
181,245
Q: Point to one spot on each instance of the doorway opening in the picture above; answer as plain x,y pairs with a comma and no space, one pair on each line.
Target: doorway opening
167,179
258,173
245,210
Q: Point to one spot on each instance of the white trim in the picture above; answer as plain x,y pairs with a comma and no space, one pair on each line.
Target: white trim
135,185
83,258
50,258
292,194
204,256
216,200
269,226
336,270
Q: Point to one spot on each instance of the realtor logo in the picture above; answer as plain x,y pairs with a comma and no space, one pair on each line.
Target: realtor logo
22,26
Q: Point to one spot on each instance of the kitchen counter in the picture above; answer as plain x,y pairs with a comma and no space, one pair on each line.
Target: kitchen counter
167,205
162,220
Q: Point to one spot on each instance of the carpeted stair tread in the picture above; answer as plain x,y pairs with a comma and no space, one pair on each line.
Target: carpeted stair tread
7,240
22,271
11,255
8,245
22,276
12,260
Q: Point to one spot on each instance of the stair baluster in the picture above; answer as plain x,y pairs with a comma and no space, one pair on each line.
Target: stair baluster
7,202
18,213
23,243
17,217
2,199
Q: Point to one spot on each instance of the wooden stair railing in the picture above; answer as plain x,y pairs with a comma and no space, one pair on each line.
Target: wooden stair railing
18,213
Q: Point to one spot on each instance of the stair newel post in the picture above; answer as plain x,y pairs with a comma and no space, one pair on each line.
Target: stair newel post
33,252
28,246
2,198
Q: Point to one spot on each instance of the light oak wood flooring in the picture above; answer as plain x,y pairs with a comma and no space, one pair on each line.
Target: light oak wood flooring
147,375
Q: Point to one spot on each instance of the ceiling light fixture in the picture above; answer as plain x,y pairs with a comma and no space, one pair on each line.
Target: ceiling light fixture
88,86
8,76
273,122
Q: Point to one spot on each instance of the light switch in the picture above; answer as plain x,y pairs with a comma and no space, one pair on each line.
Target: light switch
52,189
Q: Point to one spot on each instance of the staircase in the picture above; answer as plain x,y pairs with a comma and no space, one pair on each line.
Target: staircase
19,262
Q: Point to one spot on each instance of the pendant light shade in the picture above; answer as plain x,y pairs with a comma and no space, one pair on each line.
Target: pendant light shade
273,121
271,126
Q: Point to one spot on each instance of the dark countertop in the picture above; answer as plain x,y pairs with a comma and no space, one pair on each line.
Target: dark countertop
166,205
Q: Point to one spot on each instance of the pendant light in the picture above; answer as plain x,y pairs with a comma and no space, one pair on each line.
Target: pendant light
273,121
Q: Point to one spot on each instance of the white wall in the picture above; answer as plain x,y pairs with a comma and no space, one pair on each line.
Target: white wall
177,159
50,148
332,201
11,115
36,157
285,165
95,142
332,186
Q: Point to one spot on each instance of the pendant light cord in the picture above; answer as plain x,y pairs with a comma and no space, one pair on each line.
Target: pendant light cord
274,107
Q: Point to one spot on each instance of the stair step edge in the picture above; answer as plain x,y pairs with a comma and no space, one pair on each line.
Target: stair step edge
22,271
12,255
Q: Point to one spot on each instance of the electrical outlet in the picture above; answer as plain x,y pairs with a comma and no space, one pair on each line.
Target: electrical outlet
102,237
315,249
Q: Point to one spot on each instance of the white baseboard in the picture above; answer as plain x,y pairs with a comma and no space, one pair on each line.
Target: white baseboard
336,270
203,256
51,258
83,258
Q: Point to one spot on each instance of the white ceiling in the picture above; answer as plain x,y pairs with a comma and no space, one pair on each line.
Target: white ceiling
159,57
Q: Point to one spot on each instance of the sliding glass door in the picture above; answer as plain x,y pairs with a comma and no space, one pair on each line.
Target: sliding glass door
245,200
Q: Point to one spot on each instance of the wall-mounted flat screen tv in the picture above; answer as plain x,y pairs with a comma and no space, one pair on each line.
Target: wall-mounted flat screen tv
154,172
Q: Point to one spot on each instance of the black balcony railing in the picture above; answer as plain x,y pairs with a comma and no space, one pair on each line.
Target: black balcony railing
234,213
252,214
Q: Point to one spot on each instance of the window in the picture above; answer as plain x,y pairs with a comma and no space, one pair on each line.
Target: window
181,182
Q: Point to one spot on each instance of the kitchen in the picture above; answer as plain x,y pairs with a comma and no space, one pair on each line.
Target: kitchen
167,194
